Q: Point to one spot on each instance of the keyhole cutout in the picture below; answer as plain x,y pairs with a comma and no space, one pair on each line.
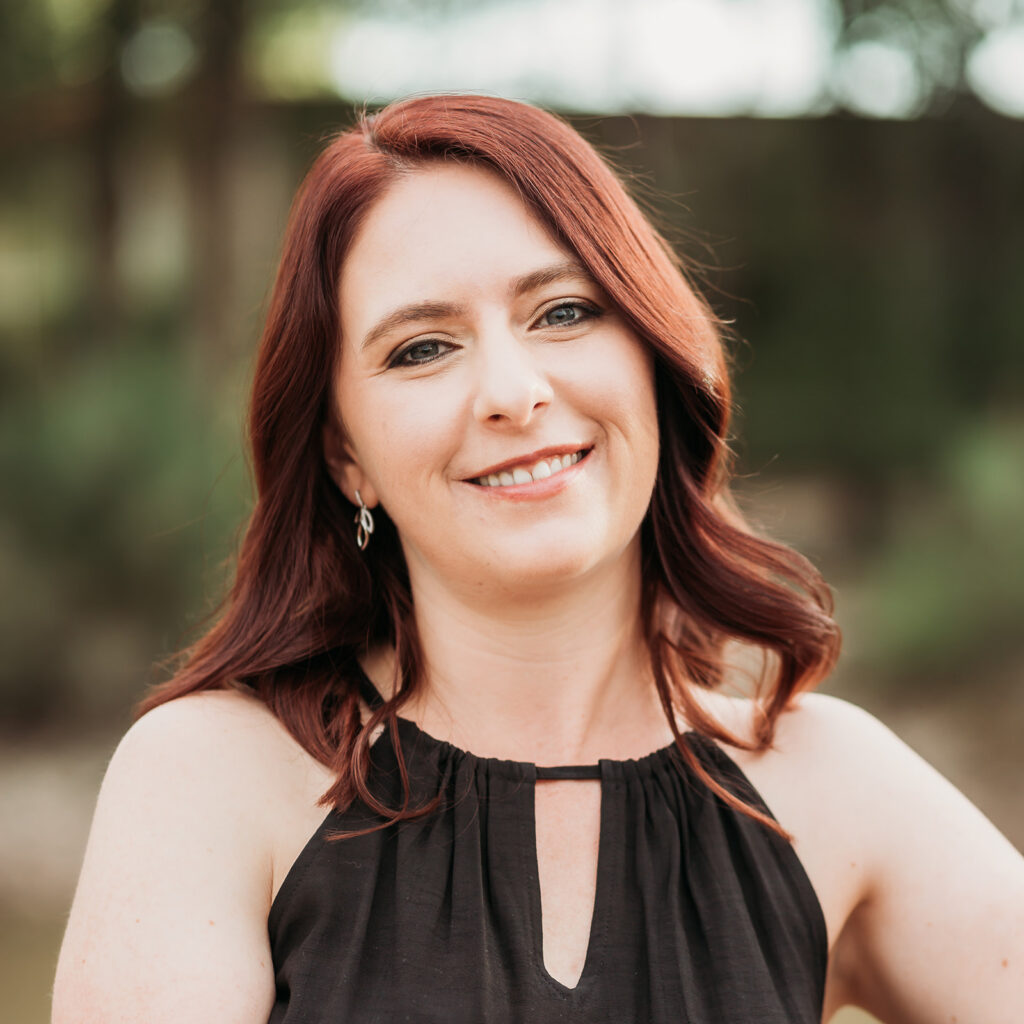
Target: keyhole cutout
568,824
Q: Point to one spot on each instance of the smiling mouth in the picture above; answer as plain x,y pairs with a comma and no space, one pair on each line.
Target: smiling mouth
527,473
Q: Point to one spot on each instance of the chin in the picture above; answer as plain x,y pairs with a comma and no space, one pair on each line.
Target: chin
542,575
545,566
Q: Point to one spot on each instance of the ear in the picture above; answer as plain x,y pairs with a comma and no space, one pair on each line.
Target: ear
344,467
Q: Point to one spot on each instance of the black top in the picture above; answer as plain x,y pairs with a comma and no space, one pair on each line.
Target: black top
701,914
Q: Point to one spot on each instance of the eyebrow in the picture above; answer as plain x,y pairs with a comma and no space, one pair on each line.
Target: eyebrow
417,312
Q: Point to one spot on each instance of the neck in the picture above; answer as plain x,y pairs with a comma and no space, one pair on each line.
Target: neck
561,678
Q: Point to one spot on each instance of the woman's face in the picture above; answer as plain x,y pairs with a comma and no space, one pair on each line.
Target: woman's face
492,401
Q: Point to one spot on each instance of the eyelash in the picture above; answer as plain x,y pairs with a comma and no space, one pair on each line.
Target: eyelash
592,313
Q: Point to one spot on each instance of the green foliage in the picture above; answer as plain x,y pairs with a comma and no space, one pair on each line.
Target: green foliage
942,597
122,495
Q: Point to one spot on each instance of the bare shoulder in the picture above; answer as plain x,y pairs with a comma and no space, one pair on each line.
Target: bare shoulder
217,729
840,779
815,780
818,723
223,715
179,868
923,896
812,718
828,743
224,760
812,780
873,780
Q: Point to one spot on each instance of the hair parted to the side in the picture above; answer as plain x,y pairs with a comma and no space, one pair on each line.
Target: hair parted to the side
305,601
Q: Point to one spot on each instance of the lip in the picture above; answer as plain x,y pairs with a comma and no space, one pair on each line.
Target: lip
536,489
531,458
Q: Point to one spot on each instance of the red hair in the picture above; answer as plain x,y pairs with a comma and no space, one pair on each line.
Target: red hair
305,601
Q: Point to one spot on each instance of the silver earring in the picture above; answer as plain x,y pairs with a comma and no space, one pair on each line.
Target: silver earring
364,523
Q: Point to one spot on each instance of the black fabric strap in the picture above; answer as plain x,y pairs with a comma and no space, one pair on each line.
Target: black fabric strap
570,771
369,692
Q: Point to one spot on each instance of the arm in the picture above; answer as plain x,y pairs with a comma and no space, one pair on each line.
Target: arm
169,918
939,934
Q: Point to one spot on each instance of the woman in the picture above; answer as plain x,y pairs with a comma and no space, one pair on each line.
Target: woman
489,427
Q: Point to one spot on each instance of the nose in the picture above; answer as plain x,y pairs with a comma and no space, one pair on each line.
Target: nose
511,385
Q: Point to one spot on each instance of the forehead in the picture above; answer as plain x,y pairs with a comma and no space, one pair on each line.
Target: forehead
444,232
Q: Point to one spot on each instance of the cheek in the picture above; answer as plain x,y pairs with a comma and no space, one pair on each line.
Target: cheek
643,437
639,419
620,380
402,434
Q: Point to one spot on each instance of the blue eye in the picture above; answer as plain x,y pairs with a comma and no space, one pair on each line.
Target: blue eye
421,352
563,320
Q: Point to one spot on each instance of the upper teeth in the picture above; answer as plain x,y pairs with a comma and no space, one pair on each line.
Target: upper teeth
526,474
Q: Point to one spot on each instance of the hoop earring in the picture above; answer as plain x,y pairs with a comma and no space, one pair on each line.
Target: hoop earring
364,523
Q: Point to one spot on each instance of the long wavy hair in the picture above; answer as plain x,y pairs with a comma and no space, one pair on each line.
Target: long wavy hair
305,602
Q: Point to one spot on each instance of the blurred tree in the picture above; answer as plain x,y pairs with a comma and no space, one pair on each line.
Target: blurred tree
104,138
216,99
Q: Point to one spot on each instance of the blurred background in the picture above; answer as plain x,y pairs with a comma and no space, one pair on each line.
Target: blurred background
848,175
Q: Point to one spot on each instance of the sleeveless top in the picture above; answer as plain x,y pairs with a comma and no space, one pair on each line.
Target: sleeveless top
701,914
